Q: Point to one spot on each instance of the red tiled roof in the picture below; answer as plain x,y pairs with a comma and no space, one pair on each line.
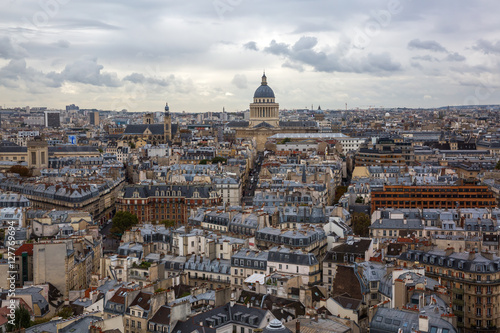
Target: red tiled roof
119,296
26,247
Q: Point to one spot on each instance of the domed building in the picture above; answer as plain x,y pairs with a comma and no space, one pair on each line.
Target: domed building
264,111
264,118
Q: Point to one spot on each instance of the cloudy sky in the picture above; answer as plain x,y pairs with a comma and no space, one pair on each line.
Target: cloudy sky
203,55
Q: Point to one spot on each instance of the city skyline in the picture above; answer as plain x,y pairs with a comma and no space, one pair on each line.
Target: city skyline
204,56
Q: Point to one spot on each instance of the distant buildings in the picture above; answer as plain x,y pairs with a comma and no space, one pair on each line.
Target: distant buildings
52,119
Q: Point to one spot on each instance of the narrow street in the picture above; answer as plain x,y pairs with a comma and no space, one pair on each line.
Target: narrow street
253,180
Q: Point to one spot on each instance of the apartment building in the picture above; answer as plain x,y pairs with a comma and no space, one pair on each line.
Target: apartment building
473,280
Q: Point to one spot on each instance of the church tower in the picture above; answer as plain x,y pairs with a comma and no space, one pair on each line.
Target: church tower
148,118
264,111
167,124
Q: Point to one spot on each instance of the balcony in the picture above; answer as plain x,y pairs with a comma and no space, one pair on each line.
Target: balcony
458,302
458,291
458,313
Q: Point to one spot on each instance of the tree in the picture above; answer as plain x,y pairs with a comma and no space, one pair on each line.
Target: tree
339,192
359,200
131,145
123,221
22,319
497,167
65,312
203,162
168,223
21,170
285,140
218,159
361,223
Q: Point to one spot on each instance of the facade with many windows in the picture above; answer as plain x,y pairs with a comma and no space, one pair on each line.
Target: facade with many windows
155,203
472,279
433,196
245,263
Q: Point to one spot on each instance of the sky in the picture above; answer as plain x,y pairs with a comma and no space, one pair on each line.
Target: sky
206,55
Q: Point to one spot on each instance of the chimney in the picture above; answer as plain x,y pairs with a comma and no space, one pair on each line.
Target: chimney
487,254
472,255
297,326
449,251
423,323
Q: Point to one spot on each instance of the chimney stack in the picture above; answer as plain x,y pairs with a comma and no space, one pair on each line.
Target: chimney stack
297,326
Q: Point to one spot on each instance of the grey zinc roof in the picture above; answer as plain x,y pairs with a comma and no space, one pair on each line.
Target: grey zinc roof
146,191
222,315
410,224
286,255
156,129
456,260
250,254
391,320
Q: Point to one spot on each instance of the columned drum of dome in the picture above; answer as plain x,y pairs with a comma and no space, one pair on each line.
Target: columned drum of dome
264,108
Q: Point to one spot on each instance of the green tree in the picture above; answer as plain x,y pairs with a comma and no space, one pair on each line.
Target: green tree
218,159
22,319
131,145
65,312
498,165
359,200
203,162
123,221
21,170
361,224
168,223
285,140
339,192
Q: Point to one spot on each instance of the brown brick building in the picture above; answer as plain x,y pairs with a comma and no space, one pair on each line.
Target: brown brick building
155,203
433,196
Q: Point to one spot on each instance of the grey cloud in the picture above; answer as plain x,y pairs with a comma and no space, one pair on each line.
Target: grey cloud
17,71
277,48
251,46
305,43
455,57
430,45
338,61
425,58
416,65
297,67
139,78
88,71
62,43
487,47
240,81
10,51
